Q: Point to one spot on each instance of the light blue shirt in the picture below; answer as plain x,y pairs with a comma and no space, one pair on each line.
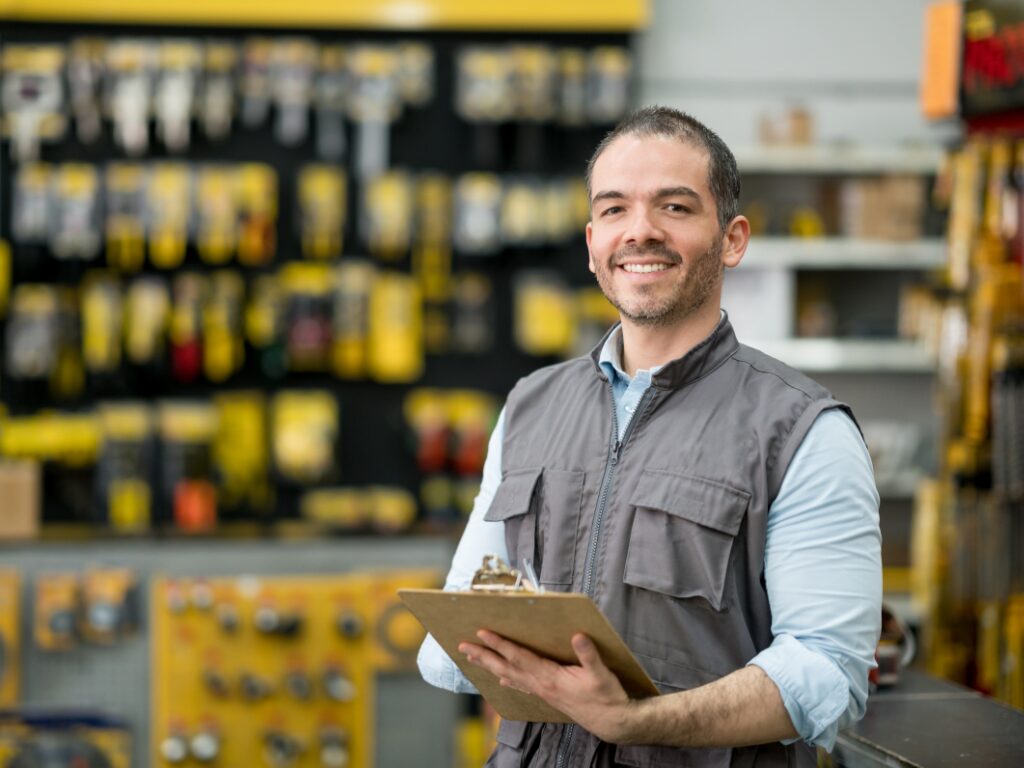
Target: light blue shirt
823,567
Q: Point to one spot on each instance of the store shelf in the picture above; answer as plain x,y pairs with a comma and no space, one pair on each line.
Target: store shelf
844,253
839,159
849,355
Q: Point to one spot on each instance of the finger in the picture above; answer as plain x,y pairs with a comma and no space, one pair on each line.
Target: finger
514,652
587,653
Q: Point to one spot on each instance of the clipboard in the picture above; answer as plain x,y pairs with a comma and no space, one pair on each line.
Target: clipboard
544,622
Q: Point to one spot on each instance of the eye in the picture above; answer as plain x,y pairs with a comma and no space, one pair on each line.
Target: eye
612,209
677,208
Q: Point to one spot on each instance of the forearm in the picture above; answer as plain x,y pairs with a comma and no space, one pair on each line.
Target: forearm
742,708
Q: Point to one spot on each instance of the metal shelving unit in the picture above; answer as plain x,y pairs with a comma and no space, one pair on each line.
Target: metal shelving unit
844,253
839,159
850,355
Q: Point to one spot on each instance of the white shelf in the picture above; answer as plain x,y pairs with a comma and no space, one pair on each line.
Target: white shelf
849,355
843,253
839,159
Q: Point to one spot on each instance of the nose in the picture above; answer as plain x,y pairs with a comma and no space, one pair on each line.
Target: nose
641,228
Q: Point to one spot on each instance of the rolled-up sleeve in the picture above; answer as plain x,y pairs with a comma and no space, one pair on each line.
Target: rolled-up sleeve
479,538
823,573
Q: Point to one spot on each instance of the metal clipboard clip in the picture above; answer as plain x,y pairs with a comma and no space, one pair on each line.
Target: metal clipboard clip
495,575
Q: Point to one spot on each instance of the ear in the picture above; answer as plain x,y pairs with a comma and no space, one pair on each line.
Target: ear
590,252
735,240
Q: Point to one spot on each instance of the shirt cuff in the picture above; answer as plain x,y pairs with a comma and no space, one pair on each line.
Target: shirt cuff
439,670
814,690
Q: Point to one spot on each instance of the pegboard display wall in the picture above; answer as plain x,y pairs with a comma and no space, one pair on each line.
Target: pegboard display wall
489,136
119,679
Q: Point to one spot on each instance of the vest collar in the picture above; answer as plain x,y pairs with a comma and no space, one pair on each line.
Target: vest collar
718,347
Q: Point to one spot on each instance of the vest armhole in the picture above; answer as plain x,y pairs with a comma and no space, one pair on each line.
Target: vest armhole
777,471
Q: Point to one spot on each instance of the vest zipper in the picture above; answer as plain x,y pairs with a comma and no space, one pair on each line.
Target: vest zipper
568,733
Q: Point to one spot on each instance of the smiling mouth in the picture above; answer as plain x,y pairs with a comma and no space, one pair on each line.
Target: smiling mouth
641,268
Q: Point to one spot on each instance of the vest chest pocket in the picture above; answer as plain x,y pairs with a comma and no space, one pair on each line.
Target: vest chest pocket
682,535
540,509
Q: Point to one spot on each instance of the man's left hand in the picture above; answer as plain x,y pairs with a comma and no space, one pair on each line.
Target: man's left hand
587,693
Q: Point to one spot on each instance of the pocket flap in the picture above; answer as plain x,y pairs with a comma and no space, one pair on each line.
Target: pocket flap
513,495
701,501
512,732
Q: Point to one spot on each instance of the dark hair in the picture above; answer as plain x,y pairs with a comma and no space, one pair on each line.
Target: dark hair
724,177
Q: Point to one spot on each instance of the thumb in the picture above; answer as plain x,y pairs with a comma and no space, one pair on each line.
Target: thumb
586,652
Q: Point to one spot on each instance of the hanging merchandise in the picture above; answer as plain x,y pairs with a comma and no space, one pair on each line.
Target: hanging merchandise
68,379
353,284
392,510
388,215
216,213
426,412
240,452
85,74
146,321
472,416
263,325
608,92
572,94
558,224
415,73
330,92
124,470
307,306
33,334
396,329
127,93
33,98
167,214
432,257
75,208
523,215
544,313
10,637
125,226
109,610
5,276
71,439
56,611
256,91
185,329
186,441
484,97
374,103
102,321
535,84
180,63
222,332
304,435
257,223
477,229
473,314
293,63
30,214
322,209
342,510
217,89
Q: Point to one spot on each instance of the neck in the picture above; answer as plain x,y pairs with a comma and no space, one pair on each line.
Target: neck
644,347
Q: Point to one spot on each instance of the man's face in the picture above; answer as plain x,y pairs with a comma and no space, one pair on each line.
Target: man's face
654,240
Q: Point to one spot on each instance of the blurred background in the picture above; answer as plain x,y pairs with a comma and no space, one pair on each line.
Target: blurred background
267,274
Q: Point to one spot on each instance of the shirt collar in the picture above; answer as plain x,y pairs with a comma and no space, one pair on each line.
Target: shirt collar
703,358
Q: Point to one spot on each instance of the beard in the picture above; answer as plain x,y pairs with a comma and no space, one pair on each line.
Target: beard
657,305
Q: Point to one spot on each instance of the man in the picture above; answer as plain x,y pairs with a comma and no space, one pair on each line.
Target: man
718,506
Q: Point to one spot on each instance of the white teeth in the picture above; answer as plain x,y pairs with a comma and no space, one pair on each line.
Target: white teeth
645,267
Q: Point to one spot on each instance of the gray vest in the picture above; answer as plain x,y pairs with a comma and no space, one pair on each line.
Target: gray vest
665,529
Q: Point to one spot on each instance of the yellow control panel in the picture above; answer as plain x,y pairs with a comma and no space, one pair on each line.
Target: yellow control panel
276,671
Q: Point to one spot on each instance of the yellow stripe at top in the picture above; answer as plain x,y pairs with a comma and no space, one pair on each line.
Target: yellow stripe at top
552,15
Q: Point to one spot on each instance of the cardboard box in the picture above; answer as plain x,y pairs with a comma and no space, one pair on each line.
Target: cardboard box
20,499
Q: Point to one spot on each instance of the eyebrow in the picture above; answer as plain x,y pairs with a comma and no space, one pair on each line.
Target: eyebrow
681,191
